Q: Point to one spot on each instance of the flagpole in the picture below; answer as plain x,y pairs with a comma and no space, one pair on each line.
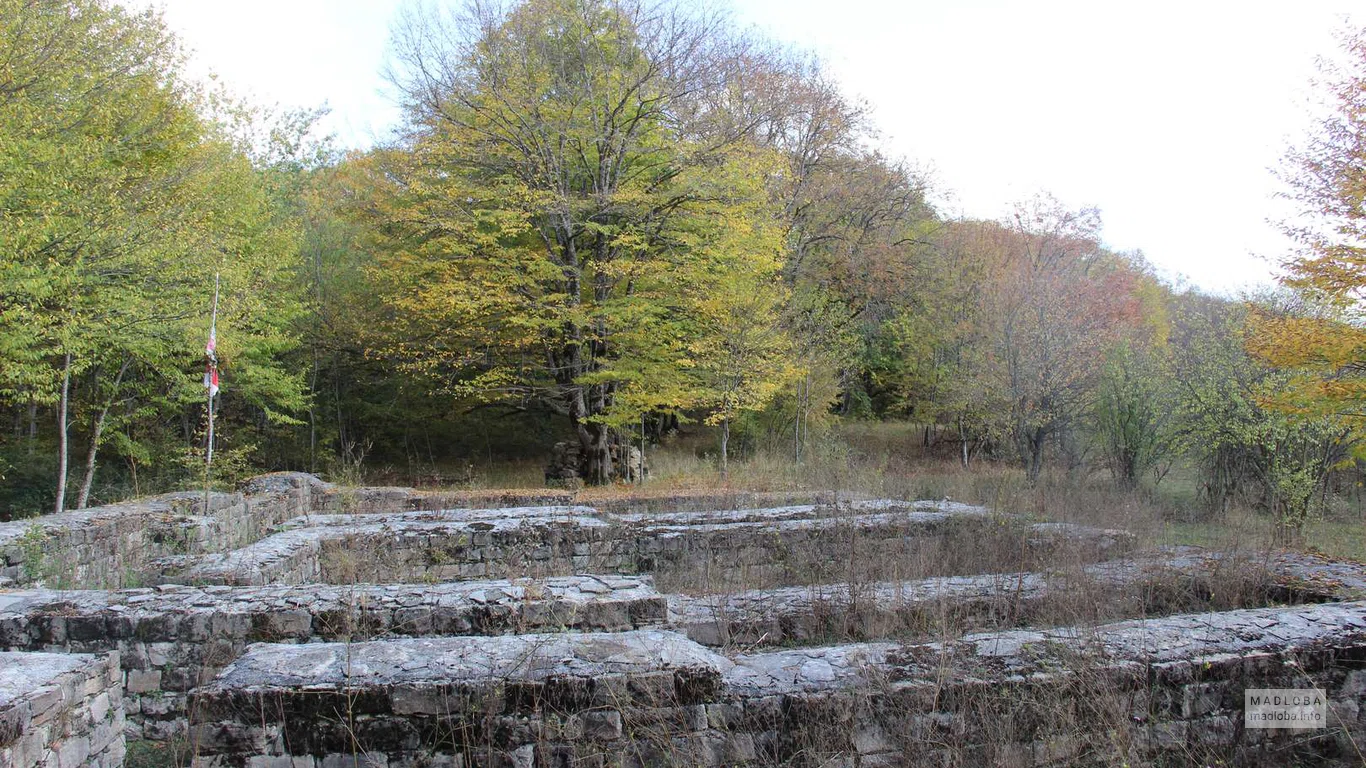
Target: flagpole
210,386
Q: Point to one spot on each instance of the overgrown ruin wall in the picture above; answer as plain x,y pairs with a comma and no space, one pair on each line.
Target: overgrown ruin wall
1166,686
116,546
172,639
166,538
753,547
655,631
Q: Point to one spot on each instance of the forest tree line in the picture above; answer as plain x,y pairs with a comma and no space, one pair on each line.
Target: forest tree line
602,220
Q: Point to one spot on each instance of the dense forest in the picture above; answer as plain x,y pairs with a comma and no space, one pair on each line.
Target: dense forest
603,222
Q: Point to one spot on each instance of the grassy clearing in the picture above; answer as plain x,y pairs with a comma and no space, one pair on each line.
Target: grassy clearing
891,460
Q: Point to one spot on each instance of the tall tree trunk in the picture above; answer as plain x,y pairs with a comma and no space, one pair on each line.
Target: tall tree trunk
600,469
1034,465
595,447
313,414
966,455
62,406
725,447
96,431
32,424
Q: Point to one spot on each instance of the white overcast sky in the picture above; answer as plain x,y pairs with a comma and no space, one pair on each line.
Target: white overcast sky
1168,116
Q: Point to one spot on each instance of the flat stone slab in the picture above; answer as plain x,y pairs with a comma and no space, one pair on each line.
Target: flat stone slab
1017,654
60,710
1343,579
90,619
22,674
935,511
1182,638
590,690
399,499
488,515
442,660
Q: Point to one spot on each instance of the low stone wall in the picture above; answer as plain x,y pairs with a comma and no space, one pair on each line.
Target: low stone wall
440,671
379,500
173,538
694,551
471,701
117,545
60,711
1164,689
172,639
1174,580
1168,689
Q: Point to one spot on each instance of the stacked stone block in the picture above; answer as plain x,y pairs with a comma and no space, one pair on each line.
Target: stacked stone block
1165,689
60,711
119,545
172,639
717,550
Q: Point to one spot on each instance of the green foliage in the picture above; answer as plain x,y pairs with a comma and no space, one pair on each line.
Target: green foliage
1276,461
31,551
1131,413
122,198
609,219
553,232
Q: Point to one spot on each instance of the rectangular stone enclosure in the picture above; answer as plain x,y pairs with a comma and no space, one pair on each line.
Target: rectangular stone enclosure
294,623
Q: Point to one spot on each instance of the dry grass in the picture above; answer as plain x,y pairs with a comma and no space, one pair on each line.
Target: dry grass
888,460
1084,717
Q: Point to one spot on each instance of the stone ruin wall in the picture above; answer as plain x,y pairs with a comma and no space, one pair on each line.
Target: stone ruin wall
782,545
61,711
149,541
653,698
117,545
174,639
210,618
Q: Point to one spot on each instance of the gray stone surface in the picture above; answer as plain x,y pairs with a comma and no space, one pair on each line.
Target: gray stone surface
294,554
486,660
173,638
23,673
148,603
60,711
754,544
489,659
1174,682
775,616
110,546
1188,639
922,511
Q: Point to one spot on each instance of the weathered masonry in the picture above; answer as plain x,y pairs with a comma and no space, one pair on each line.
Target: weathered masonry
60,710
295,623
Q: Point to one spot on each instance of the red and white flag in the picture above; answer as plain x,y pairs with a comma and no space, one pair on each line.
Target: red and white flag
211,378
211,352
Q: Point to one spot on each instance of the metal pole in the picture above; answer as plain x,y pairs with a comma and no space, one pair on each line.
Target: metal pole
213,338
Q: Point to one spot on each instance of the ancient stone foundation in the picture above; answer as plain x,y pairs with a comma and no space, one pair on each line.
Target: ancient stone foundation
60,711
298,624
655,698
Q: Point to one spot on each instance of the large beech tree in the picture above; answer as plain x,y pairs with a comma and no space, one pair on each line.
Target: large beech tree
564,182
